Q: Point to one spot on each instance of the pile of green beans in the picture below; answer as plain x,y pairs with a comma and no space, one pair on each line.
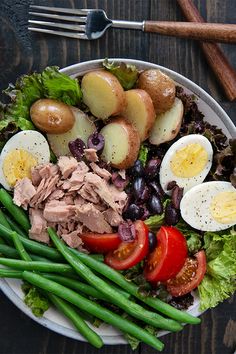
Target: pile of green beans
61,282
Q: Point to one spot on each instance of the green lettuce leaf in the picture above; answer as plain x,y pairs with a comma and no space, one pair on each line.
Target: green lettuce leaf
125,73
61,87
155,222
35,300
194,239
143,154
220,281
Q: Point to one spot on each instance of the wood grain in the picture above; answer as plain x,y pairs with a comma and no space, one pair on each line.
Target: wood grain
22,52
224,33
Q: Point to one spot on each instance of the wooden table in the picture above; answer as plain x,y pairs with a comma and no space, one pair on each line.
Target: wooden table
21,52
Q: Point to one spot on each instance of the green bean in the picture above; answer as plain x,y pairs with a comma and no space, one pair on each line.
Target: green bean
82,327
116,298
14,226
17,213
77,285
98,257
4,221
94,309
11,252
131,288
20,248
33,246
37,266
9,273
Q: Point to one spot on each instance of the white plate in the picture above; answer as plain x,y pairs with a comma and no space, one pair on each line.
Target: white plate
214,114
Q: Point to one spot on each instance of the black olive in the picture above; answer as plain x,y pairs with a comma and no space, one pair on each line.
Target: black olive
155,205
133,212
152,241
96,141
137,169
76,148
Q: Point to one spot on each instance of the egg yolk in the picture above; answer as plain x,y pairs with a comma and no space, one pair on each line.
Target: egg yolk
189,161
17,165
223,207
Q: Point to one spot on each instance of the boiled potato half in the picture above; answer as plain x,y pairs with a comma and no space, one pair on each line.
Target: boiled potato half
52,116
122,143
167,125
82,129
103,94
160,87
140,111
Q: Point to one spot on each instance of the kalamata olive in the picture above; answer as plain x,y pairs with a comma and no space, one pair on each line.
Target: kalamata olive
138,187
171,185
172,215
52,116
118,181
146,213
152,241
152,168
145,195
155,205
133,212
156,187
176,196
76,148
137,169
96,141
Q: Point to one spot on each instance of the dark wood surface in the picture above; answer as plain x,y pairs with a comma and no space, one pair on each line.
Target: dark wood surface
21,52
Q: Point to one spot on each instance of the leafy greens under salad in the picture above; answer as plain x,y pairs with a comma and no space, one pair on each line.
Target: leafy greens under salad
219,282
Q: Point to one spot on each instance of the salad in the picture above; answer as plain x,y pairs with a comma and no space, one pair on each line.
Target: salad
117,197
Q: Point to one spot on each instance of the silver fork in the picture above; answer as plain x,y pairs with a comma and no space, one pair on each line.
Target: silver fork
92,24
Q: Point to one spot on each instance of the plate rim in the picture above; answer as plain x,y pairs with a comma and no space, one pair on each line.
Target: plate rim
79,69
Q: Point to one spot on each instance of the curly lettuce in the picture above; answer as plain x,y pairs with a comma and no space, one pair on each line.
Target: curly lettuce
125,73
35,300
220,281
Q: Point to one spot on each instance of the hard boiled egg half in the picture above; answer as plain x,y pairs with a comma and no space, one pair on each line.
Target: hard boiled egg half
187,162
22,151
210,206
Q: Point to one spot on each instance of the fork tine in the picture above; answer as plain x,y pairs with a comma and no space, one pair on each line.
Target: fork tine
79,19
59,25
61,9
59,33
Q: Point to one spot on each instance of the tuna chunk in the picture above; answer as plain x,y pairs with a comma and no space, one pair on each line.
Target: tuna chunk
44,189
43,171
112,217
76,180
101,188
38,229
120,197
67,165
91,155
88,193
72,239
58,211
23,192
102,172
92,218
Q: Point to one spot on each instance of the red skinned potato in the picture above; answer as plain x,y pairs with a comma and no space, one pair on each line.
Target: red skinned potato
103,94
140,111
167,125
122,143
160,87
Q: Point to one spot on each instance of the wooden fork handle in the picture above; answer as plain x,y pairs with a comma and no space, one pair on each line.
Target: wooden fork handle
220,65
202,31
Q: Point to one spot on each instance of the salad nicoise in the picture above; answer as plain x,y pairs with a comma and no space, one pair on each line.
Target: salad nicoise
121,162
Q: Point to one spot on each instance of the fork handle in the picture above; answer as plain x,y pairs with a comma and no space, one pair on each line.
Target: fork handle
225,33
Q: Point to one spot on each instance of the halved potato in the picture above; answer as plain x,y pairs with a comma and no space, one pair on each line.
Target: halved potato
140,111
103,94
160,87
82,128
122,143
167,125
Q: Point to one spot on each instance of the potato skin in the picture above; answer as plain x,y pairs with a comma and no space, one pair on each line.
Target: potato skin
134,143
148,118
99,102
160,87
52,116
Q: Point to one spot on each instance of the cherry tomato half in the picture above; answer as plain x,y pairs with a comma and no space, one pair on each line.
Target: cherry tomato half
168,257
190,276
101,243
130,253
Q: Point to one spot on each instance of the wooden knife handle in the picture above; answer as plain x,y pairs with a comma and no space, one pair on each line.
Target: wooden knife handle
217,32
220,65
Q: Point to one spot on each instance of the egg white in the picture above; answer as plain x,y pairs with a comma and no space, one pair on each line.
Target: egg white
195,205
30,141
166,174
